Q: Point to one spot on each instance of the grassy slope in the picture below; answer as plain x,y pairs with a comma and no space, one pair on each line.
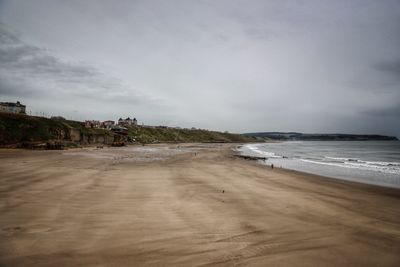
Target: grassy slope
16,128
159,134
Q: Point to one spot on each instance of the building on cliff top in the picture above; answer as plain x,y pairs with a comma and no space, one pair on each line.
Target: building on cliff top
128,121
12,107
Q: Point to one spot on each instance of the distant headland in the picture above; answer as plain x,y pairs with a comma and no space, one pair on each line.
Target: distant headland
319,137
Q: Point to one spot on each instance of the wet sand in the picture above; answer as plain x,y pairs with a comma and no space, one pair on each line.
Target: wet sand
192,205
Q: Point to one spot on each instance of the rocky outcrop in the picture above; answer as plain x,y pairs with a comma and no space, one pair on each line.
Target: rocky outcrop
87,139
75,135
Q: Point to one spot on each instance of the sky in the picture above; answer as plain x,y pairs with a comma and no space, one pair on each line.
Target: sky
240,66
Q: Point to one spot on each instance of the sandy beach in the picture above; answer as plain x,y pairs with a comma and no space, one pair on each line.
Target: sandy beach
186,205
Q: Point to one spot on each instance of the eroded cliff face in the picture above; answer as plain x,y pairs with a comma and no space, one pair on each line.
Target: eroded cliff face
73,137
97,139
69,139
42,133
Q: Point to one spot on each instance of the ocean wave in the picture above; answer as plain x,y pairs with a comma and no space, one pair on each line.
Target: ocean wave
341,159
349,161
382,163
341,162
257,150
385,167
363,162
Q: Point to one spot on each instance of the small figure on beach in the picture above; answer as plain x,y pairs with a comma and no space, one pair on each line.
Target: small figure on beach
272,166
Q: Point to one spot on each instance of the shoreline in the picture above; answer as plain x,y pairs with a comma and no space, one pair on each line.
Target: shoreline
186,205
233,147
325,170
309,175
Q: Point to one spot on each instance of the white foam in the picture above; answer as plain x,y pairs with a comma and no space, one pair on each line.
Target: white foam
341,159
257,150
362,165
355,161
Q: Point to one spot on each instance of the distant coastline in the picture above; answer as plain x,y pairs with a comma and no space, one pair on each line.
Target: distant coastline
295,136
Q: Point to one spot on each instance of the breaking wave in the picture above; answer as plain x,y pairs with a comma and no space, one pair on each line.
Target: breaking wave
380,166
267,154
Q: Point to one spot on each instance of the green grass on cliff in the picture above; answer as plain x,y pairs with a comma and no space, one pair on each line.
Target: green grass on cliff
161,134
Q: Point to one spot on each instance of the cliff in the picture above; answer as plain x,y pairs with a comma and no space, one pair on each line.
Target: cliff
18,130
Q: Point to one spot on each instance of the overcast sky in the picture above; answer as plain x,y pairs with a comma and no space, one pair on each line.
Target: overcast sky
242,66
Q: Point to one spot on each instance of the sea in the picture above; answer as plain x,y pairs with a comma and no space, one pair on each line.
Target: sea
371,162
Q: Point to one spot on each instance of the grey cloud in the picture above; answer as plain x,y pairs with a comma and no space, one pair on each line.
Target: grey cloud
392,111
13,89
6,37
391,67
312,66
27,71
16,56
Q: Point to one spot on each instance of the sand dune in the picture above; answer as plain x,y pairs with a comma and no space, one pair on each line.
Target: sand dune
192,205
